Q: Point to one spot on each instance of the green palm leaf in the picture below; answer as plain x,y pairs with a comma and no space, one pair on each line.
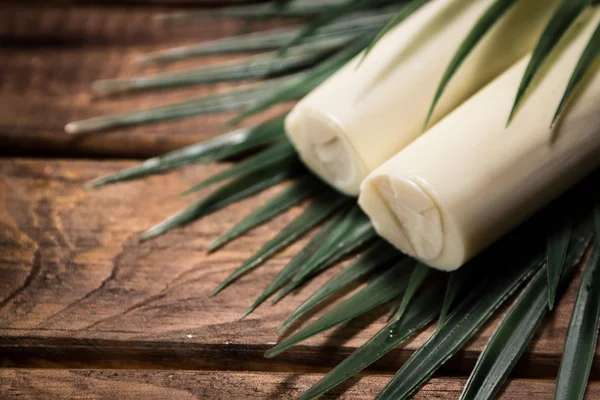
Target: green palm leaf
356,234
239,189
463,323
262,66
308,83
298,191
589,55
375,257
556,248
457,281
326,18
417,278
303,256
561,20
423,310
582,334
492,15
235,99
403,14
379,291
322,208
234,142
518,327
281,151
509,341
356,229
298,8
272,39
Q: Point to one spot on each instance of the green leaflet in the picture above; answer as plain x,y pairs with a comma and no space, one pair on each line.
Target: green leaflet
234,99
239,189
279,152
299,190
509,341
492,15
228,144
319,263
298,8
457,280
417,278
270,39
262,66
403,14
354,231
561,20
556,250
260,135
582,334
423,310
485,298
518,327
306,84
322,207
380,290
296,263
589,55
375,257
326,18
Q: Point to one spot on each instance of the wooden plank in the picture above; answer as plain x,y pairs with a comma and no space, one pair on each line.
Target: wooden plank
79,291
127,384
50,56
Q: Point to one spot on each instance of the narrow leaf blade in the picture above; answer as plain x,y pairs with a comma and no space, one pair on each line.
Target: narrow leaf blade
382,289
317,212
561,20
587,59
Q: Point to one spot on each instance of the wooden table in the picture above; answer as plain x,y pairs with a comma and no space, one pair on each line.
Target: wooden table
88,312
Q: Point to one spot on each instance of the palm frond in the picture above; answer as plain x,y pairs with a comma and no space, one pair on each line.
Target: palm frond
239,189
302,188
305,85
588,57
230,100
377,256
556,248
582,334
262,66
403,14
492,15
423,310
294,9
278,152
286,274
380,290
417,277
272,39
463,323
323,207
561,20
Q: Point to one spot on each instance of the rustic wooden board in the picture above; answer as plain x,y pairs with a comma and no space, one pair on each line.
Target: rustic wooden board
50,56
148,385
79,291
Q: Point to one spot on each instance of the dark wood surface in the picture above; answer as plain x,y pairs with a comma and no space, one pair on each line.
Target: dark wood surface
160,385
50,56
88,312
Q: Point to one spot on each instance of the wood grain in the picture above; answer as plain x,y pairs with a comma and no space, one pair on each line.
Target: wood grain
50,56
208,385
79,291
125,384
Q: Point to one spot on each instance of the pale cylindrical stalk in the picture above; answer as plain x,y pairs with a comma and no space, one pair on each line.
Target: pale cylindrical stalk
365,114
470,179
